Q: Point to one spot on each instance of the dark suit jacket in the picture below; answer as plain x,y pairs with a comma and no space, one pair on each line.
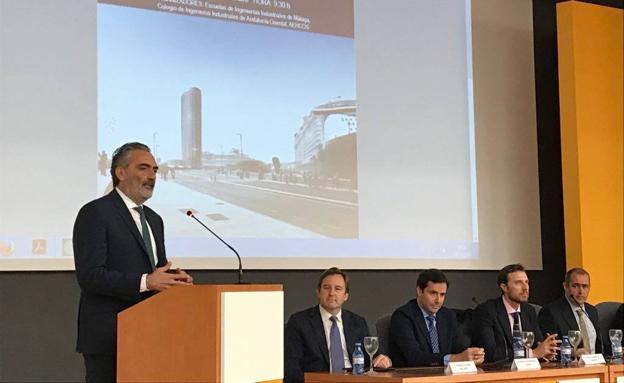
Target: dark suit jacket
491,329
410,345
557,317
306,348
110,257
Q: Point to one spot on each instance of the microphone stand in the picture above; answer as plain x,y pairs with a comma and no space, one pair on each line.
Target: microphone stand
240,263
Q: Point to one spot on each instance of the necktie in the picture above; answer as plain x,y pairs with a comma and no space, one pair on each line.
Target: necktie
335,347
433,334
583,328
147,238
516,330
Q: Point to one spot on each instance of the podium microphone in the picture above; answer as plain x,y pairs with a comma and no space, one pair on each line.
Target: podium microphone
240,264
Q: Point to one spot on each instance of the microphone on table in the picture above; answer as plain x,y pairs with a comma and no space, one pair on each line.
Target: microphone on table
240,263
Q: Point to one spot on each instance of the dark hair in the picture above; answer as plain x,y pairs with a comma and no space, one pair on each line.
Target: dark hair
431,275
120,157
573,271
503,274
333,271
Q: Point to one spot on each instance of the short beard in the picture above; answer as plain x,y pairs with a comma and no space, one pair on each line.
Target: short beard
518,301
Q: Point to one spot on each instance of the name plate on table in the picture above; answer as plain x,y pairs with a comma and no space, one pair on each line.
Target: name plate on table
461,368
526,364
592,360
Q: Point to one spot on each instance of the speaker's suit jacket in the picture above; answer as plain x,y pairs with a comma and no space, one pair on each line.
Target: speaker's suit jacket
492,331
410,345
557,317
306,348
110,258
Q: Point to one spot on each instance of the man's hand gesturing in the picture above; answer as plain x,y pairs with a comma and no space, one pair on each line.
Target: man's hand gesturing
163,278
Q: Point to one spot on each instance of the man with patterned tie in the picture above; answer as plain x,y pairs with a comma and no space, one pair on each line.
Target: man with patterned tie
322,338
424,333
495,320
572,312
119,253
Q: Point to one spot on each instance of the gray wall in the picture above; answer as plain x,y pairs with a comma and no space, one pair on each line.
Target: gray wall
38,310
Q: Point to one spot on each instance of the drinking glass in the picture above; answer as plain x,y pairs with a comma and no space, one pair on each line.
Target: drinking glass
527,341
371,344
615,335
574,336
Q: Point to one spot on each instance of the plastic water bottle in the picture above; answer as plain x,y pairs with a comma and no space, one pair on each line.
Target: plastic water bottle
566,352
518,347
358,360
616,347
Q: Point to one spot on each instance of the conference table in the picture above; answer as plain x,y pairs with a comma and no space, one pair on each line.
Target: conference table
616,371
550,372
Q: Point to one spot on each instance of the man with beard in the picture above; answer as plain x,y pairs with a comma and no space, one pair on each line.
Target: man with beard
119,252
494,319
322,338
572,312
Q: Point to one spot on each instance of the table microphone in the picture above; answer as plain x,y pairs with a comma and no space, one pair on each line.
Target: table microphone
240,264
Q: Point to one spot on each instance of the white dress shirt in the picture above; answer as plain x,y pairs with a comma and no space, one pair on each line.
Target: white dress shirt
137,220
591,331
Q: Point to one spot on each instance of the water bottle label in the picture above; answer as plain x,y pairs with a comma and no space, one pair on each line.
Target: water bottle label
518,348
358,360
566,352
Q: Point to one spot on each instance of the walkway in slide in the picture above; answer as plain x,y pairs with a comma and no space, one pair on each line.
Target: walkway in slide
171,200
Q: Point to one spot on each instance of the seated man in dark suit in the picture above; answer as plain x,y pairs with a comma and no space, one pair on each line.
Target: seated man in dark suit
494,319
572,312
322,338
424,333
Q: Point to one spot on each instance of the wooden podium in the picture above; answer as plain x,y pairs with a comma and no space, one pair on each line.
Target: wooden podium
203,333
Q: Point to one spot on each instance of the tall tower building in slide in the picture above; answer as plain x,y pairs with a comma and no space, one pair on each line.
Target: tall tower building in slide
191,128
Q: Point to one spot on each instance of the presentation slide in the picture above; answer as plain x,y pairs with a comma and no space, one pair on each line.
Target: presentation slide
307,134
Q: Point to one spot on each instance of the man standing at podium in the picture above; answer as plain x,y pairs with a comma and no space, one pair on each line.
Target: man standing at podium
322,338
119,252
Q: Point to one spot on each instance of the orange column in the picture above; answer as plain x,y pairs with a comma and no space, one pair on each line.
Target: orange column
591,87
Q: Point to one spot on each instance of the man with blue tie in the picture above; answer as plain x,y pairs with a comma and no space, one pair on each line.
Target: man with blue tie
424,333
322,338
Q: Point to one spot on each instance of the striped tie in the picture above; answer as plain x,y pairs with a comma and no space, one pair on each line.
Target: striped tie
584,332
433,334
517,327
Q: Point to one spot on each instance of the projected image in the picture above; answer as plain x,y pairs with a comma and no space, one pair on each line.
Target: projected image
253,127
307,133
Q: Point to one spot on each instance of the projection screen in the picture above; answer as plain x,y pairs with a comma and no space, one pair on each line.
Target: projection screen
363,134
